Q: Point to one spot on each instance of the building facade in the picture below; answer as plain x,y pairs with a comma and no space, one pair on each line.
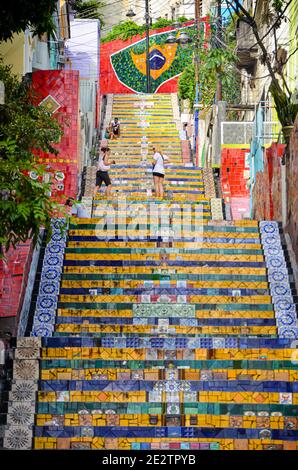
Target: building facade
27,53
115,12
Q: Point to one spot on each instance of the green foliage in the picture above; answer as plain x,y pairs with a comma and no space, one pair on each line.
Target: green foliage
277,5
161,23
17,15
125,30
90,9
186,85
183,19
285,108
25,204
128,29
213,62
128,73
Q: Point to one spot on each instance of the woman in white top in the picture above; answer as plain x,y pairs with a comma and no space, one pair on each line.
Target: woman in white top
158,171
102,174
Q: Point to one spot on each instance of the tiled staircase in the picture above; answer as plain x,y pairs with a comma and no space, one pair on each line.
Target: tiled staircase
166,339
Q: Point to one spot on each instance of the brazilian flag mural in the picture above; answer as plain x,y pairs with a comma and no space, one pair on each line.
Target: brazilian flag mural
166,60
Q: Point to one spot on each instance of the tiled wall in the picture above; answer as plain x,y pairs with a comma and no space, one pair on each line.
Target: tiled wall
21,409
62,87
282,299
292,178
14,272
120,73
234,177
266,194
45,313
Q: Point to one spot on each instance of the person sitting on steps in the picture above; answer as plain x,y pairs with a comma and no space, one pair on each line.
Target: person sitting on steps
115,126
75,208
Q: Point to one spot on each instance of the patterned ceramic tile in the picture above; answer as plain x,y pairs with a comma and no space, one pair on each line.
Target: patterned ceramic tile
27,352
42,329
216,209
21,413
25,369
23,391
28,342
152,310
18,438
46,305
162,343
279,283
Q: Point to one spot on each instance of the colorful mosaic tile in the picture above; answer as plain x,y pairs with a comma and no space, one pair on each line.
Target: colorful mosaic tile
163,341
45,314
285,310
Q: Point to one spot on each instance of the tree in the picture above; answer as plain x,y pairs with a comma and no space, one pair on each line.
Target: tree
125,30
213,62
89,9
128,29
286,109
187,85
17,15
25,203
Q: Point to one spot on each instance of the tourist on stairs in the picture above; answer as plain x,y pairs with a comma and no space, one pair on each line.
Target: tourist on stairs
102,175
115,126
158,171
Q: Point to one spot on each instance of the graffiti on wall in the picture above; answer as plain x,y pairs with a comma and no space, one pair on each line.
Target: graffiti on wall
123,63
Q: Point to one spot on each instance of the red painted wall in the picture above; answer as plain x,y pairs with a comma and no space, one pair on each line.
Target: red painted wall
233,184
14,272
109,82
233,166
63,86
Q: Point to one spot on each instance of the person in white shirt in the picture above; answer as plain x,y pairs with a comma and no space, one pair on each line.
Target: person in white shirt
102,175
158,171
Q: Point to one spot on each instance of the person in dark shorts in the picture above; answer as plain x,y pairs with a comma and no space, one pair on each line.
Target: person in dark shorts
102,175
158,171
115,126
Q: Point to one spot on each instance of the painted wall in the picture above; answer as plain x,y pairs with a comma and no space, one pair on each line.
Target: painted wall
60,89
13,53
234,181
266,193
13,279
123,63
